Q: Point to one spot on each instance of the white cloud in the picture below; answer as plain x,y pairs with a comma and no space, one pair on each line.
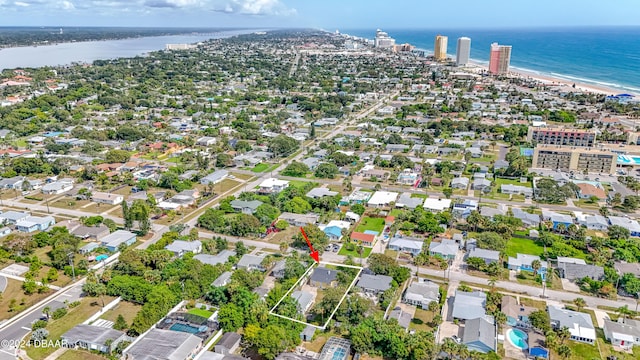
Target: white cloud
257,7
21,4
173,3
67,5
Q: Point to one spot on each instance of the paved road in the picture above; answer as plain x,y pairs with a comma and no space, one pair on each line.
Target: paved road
3,283
21,326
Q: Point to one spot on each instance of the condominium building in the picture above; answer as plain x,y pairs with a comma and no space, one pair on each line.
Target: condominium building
440,48
574,158
383,40
562,136
499,59
463,51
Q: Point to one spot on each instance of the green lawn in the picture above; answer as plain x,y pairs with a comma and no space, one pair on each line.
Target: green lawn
500,181
200,312
396,212
262,167
365,254
299,183
580,351
523,246
369,223
79,355
421,320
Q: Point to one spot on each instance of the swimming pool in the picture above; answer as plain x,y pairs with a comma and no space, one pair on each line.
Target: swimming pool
187,328
102,257
517,338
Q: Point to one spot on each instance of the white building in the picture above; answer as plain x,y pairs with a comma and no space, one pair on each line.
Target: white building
382,198
437,205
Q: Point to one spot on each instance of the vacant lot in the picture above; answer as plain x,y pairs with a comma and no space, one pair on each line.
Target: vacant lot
262,167
368,223
14,293
523,246
127,309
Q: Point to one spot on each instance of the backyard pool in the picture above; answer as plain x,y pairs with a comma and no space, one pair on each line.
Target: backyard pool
187,328
517,338
102,257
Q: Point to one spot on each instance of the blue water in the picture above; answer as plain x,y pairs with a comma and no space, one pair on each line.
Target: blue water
102,257
518,338
185,328
606,56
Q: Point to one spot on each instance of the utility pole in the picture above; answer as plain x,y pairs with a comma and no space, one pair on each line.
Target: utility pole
73,271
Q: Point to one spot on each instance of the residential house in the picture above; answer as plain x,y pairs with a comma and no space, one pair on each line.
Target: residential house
474,151
460,183
320,192
437,205
379,175
304,299
382,199
489,256
596,222
356,197
469,305
374,284
334,233
500,164
164,344
220,258
215,177
403,318
422,293
406,201
575,269
12,183
106,198
480,334
306,335
517,315
245,207
627,268
4,231
579,324
557,218
206,141
407,177
13,217
35,223
624,333
228,343
406,244
446,249
516,190
323,278
180,200
113,241
587,191
490,212
223,280
363,238
528,219
278,269
251,262
57,187
299,219
481,184
522,262
464,208
629,224
89,337
272,186
181,247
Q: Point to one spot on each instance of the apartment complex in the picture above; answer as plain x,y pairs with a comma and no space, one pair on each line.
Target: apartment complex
574,158
499,59
463,51
562,136
440,48
383,40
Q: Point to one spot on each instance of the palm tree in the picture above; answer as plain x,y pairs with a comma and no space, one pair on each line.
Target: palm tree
535,265
579,303
561,228
450,347
433,307
563,334
492,282
623,311
564,351
551,339
284,246
463,351
46,311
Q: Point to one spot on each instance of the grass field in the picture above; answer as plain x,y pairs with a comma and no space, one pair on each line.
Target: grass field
262,167
500,181
14,291
523,246
79,355
369,223
421,320
365,254
88,306
127,309
200,312
538,304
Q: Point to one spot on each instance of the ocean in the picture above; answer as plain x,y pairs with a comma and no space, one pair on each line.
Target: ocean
605,56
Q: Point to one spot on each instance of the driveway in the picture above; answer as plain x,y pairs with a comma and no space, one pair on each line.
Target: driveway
3,283
570,286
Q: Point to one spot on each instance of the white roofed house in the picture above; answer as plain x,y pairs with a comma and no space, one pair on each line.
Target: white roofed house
272,186
113,241
382,199
299,219
57,187
245,207
421,294
35,223
579,324
624,333
12,217
106,198
102,339
374,284
437,205
215,177
446,249
489,256
251,262
469,305
303,299
181,247
320,192
406,244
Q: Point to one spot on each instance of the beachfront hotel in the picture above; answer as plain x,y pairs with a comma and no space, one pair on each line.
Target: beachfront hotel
569,158
499,59
463,51
562,136
440,48
383,40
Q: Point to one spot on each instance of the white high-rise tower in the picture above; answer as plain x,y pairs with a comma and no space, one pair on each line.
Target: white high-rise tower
463,51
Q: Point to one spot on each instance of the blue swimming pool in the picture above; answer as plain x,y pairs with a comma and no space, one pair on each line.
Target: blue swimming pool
102,257
518,338
187,328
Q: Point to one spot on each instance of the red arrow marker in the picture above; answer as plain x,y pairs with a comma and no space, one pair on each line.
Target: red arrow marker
314,253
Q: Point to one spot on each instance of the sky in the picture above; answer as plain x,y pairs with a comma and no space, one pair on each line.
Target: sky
325,14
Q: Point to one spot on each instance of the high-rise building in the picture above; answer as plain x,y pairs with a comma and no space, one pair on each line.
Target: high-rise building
499,59
440,48
463,51
562,136
580,159
383,40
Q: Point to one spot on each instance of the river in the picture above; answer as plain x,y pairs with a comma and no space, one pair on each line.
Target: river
87,52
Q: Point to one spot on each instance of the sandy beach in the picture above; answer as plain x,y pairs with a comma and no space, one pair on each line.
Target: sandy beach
554,81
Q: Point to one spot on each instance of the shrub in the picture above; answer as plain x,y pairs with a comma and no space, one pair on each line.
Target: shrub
59,313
